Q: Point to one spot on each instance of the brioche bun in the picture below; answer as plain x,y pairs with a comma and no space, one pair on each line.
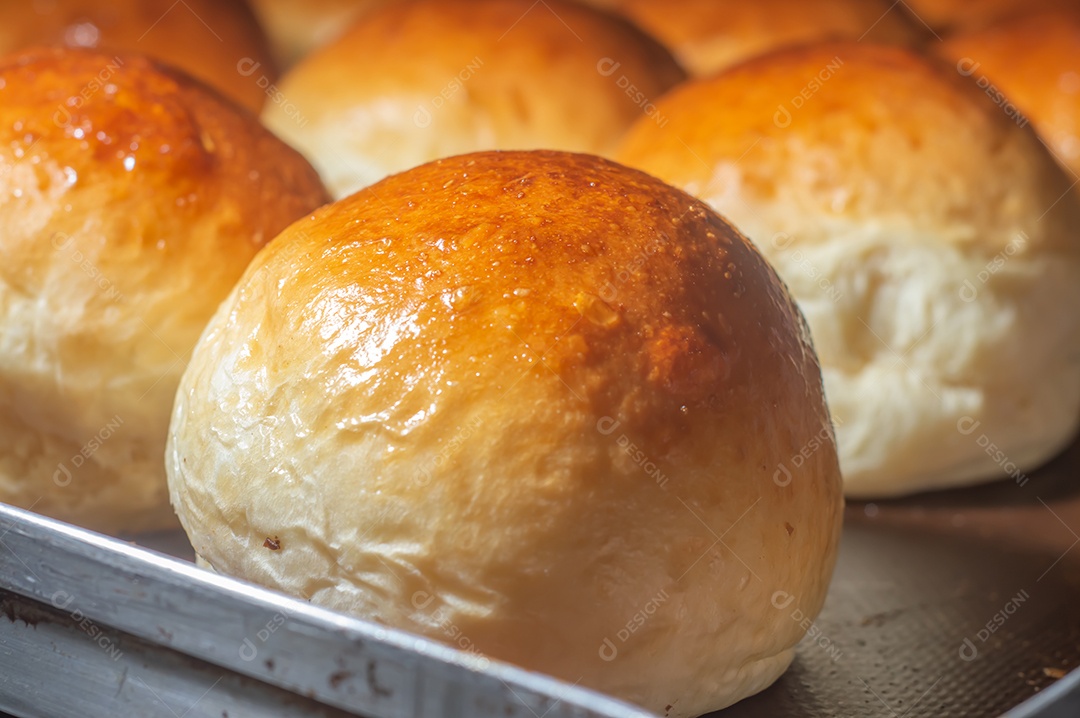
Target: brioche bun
930,241
707,36
1030,66
296,27
133,200
212,40
511,401
421,79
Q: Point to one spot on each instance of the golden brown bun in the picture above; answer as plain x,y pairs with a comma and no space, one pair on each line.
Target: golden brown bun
134,198
510,401
710,35
296,27
422,79
213,40
930,241
946,15
1031,67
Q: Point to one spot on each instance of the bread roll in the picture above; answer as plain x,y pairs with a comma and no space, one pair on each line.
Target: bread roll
421,79
930,241
710,35
216,41
296,27
133,199
1030,67
516,402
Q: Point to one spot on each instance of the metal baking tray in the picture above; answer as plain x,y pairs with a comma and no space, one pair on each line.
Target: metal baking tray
959,603
92,626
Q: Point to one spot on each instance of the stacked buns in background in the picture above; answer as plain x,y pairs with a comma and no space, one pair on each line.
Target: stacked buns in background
415,80
1030,66
709,35
930,240
526,394
426,410
213,40
133,198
